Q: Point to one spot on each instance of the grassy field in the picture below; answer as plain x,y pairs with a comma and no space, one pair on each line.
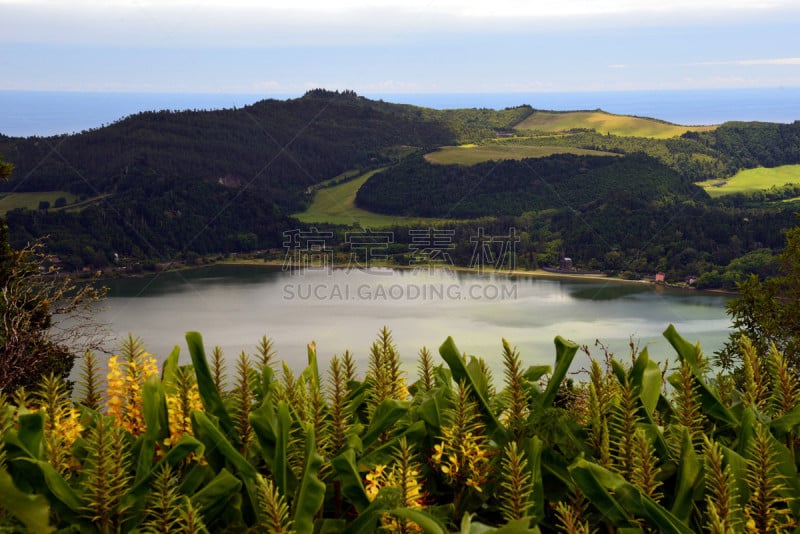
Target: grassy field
750,180
31,200
472,154
12,201
602,122
336,205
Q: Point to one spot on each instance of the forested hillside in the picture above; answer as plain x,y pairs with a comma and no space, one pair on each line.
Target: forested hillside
201,181
416,187
163,185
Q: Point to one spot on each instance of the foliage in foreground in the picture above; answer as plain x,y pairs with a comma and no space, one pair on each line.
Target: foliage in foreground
198,448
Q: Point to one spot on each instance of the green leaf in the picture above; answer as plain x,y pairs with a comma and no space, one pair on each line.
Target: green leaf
175,457
787,423
565,353
38,471
616,498
31,510
212,437
212,402
594,486
153,401
712,405
31,434
218,495
348,474
311,493
536,372
428,523
431,409
386,414
645,376
271,426
533,451
690,476
170,365
367,521
461,372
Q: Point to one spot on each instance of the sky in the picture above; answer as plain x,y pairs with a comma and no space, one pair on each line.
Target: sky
408,46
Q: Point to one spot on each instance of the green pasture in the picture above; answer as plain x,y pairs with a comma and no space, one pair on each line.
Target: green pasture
336,205
472,154
31,200
602,122
750,180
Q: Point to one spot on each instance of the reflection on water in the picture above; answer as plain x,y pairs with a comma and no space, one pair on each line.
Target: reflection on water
233,306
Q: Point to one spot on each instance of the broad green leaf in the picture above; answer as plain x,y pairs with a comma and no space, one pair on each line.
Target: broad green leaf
461,372
617,498
536,372
271,425
384,454
645,376
212,437
65,500
31,510
565,353
432,407
690,475
386,414
596,488
348,474
212,402
787,423
31,434
311,493
219,494
153,401
367,521
712,405
170,365
174,457
738,467
533,451
428,523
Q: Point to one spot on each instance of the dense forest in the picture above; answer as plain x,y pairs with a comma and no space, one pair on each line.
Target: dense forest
164,185
416,187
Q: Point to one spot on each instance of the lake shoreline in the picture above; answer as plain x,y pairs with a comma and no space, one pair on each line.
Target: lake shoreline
536,273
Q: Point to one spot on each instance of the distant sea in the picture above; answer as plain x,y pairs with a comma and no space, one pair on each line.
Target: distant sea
26,113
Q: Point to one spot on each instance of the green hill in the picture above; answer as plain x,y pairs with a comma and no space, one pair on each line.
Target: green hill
419,188
163,184
604,123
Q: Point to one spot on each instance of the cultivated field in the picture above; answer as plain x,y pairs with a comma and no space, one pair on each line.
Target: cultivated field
750,180
336,205
472,154
602,122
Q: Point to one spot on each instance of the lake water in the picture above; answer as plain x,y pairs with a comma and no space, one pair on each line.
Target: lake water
233,306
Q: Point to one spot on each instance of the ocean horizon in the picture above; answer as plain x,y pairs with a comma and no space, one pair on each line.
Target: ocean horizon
45,113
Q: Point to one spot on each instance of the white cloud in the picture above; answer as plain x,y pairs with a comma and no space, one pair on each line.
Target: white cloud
298,22
750,62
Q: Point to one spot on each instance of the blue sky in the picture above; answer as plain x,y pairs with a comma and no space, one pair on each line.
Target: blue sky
248,46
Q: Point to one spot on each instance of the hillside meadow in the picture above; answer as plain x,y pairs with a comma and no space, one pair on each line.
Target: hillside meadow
470,154
604,123
751,180
336,205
